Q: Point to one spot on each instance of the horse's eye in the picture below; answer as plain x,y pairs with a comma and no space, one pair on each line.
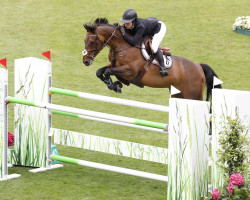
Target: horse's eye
92,43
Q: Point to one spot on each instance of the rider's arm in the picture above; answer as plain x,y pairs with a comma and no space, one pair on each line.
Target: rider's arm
136,38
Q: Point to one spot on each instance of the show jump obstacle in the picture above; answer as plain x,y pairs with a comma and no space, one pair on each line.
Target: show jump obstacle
4,127
188,149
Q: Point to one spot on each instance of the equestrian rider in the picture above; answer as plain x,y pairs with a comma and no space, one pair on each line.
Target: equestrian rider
142,27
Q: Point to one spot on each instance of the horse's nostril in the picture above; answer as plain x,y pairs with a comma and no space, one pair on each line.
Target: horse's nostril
86,62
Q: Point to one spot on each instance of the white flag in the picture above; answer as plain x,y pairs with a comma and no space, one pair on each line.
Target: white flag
174,90
217,81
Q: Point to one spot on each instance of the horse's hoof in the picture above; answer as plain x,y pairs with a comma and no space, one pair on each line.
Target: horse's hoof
119,90
111,87
118,84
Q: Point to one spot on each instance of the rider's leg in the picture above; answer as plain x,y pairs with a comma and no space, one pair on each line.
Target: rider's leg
159,57
157,52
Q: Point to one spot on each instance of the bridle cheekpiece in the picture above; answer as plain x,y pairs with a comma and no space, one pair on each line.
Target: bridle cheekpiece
85,52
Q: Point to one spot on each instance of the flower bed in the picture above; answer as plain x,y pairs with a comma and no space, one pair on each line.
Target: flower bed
242,25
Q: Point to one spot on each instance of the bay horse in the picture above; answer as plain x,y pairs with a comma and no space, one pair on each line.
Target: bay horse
127,62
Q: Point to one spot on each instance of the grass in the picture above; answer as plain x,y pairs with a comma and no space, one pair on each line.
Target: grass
199,30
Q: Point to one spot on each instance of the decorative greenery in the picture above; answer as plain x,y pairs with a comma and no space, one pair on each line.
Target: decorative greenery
233,159
242,23
233,154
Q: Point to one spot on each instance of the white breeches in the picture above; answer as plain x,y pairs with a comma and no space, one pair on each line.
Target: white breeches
158,37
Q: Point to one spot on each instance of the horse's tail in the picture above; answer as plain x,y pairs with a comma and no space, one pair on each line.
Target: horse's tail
209,74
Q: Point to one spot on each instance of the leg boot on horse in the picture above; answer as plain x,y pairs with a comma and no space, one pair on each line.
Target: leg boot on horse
116,86
100,73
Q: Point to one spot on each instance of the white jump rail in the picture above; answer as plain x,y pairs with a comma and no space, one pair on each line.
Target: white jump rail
107,99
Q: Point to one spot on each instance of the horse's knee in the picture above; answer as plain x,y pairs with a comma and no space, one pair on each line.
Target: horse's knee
99,72
107,72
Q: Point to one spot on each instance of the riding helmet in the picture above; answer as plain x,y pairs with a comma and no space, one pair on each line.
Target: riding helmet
129,16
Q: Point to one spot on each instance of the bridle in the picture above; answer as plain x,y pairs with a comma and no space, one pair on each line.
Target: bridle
85,52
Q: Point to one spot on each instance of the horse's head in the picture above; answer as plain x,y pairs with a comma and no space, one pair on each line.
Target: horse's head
94,42
93,45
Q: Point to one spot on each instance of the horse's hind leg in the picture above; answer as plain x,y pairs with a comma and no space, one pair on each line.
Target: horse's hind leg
195,93
177,96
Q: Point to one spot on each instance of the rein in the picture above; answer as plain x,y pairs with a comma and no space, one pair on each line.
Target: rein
85,52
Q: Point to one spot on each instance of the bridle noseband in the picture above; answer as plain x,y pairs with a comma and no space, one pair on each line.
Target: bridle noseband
85,52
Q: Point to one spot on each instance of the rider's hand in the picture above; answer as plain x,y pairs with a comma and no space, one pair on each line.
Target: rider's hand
122,30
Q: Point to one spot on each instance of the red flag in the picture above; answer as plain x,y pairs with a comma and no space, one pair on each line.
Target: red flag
4,62
46,54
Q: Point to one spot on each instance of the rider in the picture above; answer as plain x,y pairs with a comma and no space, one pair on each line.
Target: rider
143,27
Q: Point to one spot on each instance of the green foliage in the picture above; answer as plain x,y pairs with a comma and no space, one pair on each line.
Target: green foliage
233,158
234,151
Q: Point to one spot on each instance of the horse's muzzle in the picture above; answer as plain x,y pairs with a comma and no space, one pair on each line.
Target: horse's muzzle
87,62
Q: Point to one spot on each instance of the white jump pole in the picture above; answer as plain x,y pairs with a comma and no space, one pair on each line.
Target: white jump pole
113,100
110,168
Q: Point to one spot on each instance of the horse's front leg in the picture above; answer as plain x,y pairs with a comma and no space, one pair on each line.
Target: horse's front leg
100,72
116,86
117,71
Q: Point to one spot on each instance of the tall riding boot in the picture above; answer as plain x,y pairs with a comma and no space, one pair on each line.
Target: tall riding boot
159,57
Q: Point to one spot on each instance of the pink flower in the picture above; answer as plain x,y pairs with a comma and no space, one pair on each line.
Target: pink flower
216,194
11,139
230,187
237,179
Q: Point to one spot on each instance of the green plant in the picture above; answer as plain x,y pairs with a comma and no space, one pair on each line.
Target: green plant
233,159
233,154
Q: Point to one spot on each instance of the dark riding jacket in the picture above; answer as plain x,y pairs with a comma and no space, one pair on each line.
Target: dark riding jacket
142,28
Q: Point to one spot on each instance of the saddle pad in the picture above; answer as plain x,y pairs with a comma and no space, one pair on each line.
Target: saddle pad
167,58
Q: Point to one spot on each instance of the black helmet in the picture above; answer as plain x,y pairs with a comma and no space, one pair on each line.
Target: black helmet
128,16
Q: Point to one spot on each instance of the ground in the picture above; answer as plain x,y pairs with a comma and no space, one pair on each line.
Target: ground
198,30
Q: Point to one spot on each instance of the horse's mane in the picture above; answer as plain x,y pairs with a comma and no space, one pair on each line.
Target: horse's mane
97,22
100,21
91,25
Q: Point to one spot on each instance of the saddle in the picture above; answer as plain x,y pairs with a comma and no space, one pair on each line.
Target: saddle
147,53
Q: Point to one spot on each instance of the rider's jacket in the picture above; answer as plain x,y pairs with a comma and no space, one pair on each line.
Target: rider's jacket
141,28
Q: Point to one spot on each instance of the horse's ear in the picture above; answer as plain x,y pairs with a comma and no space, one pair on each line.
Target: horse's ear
90,29
85,26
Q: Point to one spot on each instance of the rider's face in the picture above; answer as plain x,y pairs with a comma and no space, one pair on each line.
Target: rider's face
128,25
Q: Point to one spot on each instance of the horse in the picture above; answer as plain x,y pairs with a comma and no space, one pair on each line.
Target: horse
127,64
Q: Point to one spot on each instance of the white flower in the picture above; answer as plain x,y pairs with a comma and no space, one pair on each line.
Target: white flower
242,23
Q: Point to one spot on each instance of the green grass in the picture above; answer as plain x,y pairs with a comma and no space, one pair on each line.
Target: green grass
198,30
